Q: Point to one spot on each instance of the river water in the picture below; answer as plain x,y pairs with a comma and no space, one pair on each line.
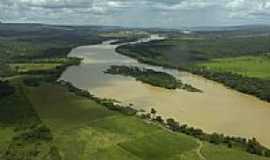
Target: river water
217,109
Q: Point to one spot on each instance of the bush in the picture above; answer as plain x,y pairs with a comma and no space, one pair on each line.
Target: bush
6,89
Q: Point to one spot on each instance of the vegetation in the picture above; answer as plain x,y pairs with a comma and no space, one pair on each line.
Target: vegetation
248,66
180,51
253,86
238,61
105,133
108,103
43,120
149,76
30,57
100,133
224,153
251,145
5,89
28,137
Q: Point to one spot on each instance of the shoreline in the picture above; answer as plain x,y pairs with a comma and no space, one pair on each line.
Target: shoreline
195,71
87,94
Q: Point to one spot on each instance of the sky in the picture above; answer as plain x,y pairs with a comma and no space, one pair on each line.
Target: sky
137,13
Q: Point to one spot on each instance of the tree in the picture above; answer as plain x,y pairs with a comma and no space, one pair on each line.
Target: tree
148,116
254,147
173,125
153,112
216,138
159,119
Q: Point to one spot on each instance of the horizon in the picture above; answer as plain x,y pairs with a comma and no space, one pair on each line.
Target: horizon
175,14
132,27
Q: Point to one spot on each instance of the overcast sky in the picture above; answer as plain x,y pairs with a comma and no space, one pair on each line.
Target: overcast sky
137,13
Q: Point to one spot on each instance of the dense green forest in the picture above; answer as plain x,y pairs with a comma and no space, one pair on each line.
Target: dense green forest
149,76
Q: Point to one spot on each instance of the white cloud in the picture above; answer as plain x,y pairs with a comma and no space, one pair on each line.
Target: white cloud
186,5
170,13
248,8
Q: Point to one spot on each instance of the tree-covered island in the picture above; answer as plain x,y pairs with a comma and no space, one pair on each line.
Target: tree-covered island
149,76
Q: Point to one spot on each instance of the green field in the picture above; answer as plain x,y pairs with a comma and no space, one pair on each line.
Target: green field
99,133
83,129
180,51
257,67
48,122
26,67
224,153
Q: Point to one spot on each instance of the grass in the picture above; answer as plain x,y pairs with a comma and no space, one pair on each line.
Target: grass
179,51
83,129
98,132
153,146
26,67
6,134
18,126
223,153
249,66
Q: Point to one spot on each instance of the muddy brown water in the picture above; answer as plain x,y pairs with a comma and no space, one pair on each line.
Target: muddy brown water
217,109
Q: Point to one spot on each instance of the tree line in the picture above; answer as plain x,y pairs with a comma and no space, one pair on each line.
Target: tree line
250,145
253,86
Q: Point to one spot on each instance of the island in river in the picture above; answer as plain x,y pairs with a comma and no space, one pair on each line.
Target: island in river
152,77
208,110
44,120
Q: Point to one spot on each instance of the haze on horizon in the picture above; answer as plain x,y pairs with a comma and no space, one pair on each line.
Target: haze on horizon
137,13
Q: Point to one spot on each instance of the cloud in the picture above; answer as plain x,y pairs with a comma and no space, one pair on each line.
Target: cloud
147,13
252,10
184,5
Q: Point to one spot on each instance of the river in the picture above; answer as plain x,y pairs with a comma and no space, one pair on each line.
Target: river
217,109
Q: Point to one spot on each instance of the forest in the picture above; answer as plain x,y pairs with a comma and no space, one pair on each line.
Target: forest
149,76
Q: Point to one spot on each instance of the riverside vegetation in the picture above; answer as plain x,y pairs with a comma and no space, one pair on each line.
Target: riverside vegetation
41,119
196,52
149,76
250,145
30,55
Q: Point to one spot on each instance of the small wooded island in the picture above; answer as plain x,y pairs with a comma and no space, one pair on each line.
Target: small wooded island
149,76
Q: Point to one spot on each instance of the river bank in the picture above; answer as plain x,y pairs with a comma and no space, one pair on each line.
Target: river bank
208,110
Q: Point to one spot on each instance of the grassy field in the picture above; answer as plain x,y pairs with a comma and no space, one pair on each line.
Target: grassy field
101,134
257,67
180,51
19,125
26,67
47,122
223,153
82,129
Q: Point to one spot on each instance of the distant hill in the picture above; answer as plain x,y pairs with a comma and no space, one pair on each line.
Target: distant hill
232,28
